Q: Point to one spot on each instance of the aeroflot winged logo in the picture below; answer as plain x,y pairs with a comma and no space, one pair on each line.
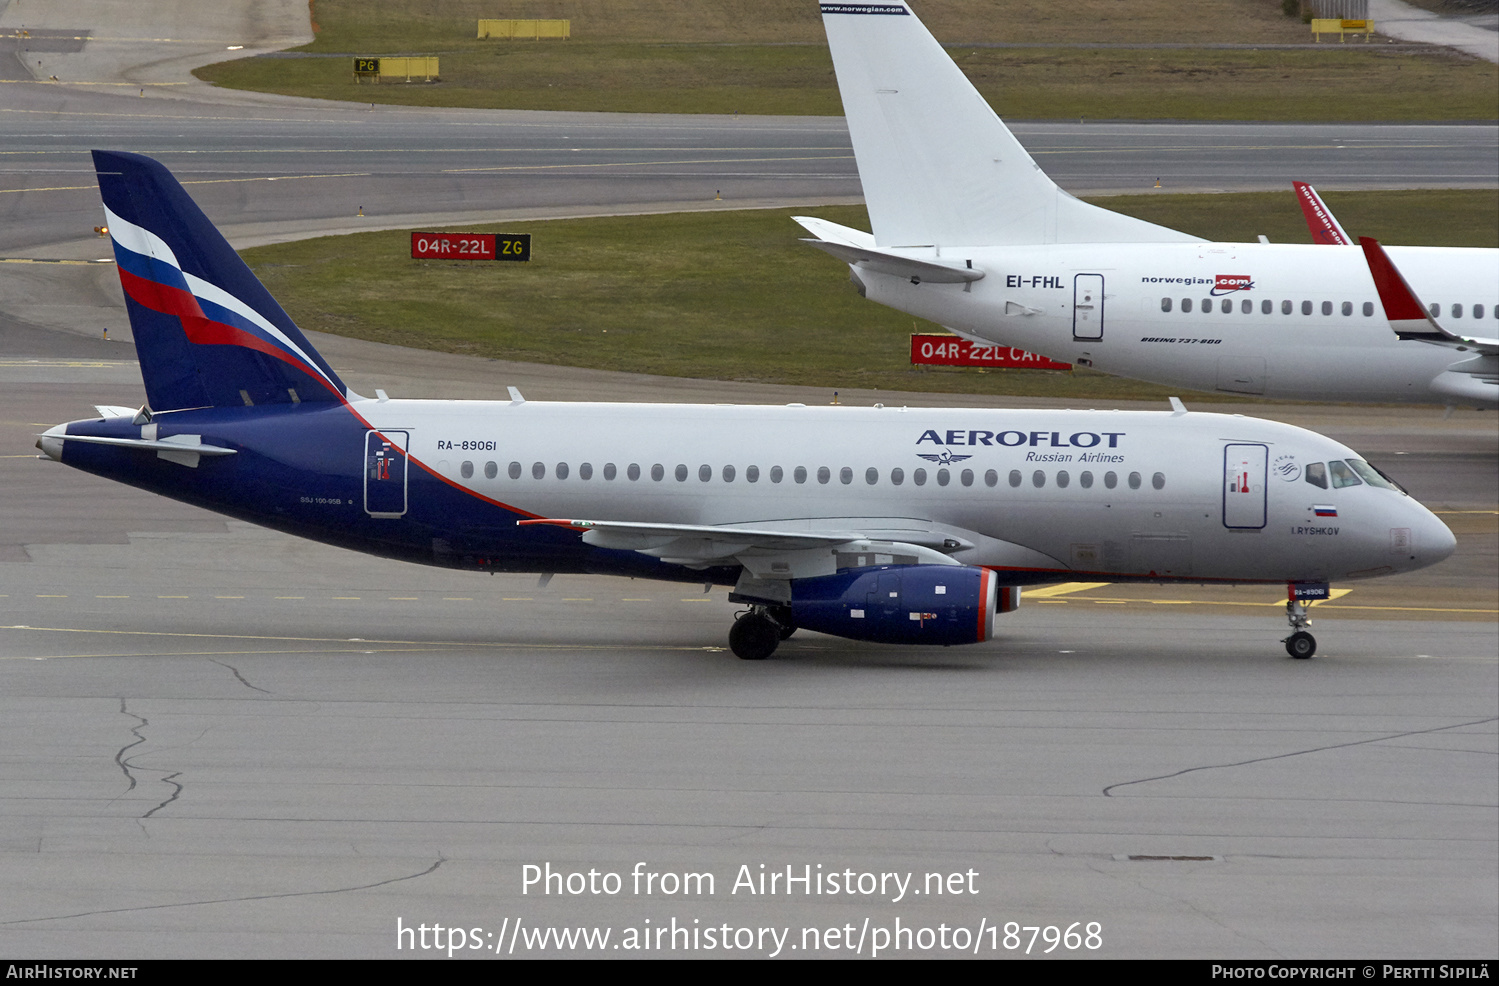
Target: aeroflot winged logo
945,459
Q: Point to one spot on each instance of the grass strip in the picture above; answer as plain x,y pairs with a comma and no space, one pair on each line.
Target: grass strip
736,296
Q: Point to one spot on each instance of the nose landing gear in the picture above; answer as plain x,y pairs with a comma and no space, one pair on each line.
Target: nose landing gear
1301,644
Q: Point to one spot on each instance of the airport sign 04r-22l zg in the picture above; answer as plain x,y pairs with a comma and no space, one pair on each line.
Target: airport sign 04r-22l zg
471,246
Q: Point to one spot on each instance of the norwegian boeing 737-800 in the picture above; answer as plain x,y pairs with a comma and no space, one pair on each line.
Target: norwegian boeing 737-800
886,524
970,233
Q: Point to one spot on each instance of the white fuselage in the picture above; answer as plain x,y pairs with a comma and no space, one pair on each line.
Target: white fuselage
1131,494
1194,314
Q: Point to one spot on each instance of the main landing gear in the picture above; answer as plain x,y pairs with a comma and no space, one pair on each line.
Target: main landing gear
759,630
1300,644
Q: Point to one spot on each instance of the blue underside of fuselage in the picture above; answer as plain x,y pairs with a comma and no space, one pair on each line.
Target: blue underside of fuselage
301,470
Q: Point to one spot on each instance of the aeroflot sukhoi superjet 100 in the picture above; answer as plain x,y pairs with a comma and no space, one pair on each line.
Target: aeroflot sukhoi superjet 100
886,524
969,232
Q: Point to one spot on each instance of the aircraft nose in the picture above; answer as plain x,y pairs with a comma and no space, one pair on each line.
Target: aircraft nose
50,442
1437,542
1419,538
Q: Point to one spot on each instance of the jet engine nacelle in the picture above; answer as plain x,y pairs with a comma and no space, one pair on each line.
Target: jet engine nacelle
904,604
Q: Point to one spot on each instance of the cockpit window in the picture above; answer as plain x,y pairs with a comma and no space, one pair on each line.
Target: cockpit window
1373,476
1342,475
1316,474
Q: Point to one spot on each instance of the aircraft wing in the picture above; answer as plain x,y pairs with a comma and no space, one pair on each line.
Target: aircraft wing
853,247
780,551
1319,218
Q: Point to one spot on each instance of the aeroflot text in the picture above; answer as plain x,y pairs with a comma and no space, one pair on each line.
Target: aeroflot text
1012,439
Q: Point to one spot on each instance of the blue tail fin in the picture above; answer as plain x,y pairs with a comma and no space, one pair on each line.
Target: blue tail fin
207,332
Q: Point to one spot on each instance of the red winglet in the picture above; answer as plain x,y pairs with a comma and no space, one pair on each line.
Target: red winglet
1400,302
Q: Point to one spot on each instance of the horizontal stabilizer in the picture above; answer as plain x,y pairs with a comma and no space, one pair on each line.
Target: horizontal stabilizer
177,443
886,262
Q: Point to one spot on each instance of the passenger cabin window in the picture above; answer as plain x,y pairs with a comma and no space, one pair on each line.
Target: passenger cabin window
609,471
752,474
680,472
585,471
943,477
1347,308
823,475
1134,480
1267,306
871,475
1285,307
1457,311
918,477
991,478
514,470
1186,304
1063,479
491,470
562,470
1368,308
633,472
966,477
845,475
658,472
1015,477
1478,311
1110,480
1306,308
1316,474
1158,480
776,474
728,473
1085,480
1227,306
1342,475
1038,479
1247,306
897,475
799,474
1327,308
538,470
1165,304
466,470
1436,310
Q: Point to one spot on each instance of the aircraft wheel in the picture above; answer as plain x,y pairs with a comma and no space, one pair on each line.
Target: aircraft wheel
1301,645
753,637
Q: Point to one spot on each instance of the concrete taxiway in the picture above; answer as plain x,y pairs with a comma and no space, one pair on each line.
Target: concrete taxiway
217,741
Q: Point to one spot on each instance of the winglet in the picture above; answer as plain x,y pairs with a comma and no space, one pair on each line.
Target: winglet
1319,218
1407,316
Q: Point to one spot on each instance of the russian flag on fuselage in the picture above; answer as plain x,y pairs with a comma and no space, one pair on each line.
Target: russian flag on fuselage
206,330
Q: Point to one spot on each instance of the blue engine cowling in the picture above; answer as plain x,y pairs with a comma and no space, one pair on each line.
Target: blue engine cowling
901,604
